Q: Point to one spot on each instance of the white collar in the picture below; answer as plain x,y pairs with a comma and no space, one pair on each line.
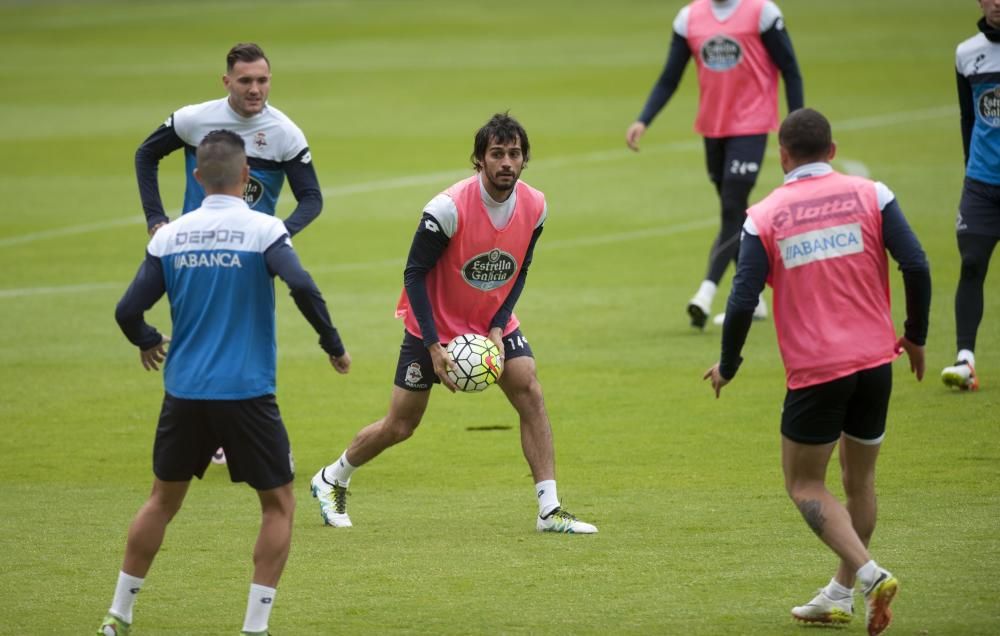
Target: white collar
222,201
806,170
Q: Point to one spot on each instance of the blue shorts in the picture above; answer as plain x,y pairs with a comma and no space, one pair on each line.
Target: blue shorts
855,405
415,369
979,209
251,432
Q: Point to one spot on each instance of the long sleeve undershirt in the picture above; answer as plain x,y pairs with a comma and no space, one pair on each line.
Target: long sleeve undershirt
148,287
751,276
775,39
164,140
425,251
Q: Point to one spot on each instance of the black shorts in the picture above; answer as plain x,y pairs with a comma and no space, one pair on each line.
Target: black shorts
250,431
979,209
415,369
855,405
736,158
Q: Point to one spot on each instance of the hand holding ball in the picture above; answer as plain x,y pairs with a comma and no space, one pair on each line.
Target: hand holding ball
478,362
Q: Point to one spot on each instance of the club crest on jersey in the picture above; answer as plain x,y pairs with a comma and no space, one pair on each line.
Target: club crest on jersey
253,192
721,53
260,140
489,270
988,107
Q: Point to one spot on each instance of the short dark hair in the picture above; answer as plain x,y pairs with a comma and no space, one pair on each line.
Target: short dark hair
503,129
245,52
221,156
805,135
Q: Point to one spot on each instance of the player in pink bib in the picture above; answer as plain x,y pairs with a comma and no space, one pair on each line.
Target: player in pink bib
739,48
820,241
465,272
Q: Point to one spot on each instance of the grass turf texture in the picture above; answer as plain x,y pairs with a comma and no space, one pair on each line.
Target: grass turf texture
697,536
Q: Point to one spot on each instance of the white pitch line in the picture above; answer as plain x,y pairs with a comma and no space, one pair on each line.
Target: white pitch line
859,123
65,289
603,239
70,231
850,166
853,167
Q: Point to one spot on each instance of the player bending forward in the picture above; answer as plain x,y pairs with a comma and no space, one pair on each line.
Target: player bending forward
489,218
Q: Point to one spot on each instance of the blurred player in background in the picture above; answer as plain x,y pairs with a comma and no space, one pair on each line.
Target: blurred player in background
820,241
275,146
465,272
739,48
977,63
217,266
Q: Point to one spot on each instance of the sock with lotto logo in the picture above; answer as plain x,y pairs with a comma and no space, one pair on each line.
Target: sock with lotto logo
548,499
126,591
258,608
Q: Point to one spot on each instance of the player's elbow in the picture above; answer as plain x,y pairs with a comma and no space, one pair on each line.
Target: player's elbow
145,159
124,315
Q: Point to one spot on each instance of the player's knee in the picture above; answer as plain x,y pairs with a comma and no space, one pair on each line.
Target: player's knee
165,507
527,388
973,267
858,486
801,487
401,428
735,197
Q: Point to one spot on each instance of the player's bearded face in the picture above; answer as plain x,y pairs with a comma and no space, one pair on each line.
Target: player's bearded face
248,84
502,164
991,11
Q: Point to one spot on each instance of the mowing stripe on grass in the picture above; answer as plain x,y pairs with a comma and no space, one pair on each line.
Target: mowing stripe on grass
859,123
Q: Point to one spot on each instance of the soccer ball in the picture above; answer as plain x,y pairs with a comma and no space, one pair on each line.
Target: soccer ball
478,361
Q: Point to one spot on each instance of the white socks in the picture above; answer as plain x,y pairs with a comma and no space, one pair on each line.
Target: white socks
548,499
707,291
258,608
868,574
125,592
339,471
967,356
837,592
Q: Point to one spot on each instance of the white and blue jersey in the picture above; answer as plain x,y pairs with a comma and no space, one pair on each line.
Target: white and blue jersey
274,145
271,139
221,300
977,63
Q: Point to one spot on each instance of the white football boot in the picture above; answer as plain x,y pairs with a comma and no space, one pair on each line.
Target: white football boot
961,375
560,520
700,306
332,500
823,609
878,596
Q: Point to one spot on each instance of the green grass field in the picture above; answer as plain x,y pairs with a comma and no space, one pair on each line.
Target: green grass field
697,535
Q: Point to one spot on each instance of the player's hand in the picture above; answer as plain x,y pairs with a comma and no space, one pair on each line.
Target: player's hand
496,336
442,362
915,353
155,355
632,135
717,380
153,229
341,363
